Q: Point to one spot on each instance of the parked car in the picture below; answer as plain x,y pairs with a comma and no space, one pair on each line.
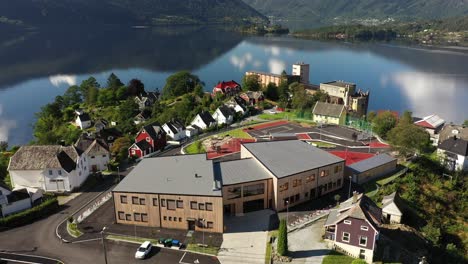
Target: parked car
177,244
144,250
168,242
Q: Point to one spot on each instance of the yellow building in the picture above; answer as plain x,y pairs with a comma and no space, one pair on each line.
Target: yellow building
327,113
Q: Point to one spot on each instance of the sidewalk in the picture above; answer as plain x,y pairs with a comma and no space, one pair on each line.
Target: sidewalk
306,245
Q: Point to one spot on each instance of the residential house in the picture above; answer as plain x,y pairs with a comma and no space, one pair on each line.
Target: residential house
433,124
354,227
142,117
253,98
191,192
328,113
392,208
371,168
203,120
224,115
451,130
229,88
192,131
175,129
154,135
13,201
454,153
83,121
146,99
96,150
238,105
49,168
100,125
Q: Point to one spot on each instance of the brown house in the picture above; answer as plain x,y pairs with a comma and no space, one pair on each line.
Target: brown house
353,227
192,192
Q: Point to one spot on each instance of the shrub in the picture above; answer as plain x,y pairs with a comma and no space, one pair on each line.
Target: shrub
282,239
46,208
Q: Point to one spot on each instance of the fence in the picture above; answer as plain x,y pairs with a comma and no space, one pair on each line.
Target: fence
98,203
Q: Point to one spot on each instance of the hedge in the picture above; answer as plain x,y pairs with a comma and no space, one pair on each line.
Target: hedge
282,239
45,209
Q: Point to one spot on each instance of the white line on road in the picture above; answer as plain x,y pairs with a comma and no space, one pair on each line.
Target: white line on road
180,261
19,261
34,256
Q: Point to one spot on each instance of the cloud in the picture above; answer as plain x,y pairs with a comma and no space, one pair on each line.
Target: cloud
5,126
276,66
275,51
57,80
241,61
432,94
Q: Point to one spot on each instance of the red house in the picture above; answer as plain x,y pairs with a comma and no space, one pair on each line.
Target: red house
151,138
354,227
227,88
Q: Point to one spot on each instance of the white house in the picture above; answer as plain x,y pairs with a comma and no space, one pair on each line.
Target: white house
191,131
82,119
96,151
203,120
223,115
49,168
238,105
175,129
392,210
13,201
454,153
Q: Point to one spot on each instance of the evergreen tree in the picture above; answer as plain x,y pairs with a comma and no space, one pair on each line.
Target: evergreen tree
282,248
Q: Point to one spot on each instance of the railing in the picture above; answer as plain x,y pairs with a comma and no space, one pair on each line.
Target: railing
330,235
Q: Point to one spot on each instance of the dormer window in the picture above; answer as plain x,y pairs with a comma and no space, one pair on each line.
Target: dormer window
364,228
347,222
148,139
50,172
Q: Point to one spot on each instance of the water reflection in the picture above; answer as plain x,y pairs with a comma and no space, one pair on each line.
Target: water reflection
5,126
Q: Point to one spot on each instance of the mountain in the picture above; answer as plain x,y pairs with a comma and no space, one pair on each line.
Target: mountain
337,10
131,12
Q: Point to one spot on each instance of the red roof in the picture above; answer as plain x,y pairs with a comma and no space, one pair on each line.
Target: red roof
424,123
224,85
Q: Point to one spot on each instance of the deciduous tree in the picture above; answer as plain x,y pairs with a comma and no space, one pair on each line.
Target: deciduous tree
383,123
114,82
408,138
180,83
251,83
135,87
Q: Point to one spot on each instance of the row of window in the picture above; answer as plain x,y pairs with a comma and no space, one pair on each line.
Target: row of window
330,185
102,156
348,222
137,217
246,191
310,178
169,204
347,236
291,199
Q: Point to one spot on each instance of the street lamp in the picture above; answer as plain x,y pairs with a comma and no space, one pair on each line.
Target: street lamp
349,193
287,212
134,224
104,244
118,173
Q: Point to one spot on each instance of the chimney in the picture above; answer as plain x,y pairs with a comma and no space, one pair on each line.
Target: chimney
215,186
197,176
355,196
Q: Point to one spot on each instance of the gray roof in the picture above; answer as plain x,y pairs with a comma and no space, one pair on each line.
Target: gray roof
371,163
327,109
239,171
340,83
172,175
455,145
285,158
44,157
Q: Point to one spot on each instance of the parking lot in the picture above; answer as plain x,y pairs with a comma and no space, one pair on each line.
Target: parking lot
280,128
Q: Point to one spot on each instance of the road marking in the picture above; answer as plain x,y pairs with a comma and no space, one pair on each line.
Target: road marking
180,261
85,240
34,256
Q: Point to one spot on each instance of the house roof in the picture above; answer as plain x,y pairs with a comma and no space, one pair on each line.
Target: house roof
285,158
226,111
390,199
253,94
327,109
175,125
340,84
239,171
230,84
85,143
153,130
101,122
362,208
84,117
44,157
143,145
371,163
18,195
432,122
455,145
184,175
207,118
453,130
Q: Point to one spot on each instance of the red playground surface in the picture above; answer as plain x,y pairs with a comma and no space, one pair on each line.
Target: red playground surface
377,144
303,136
352,157
230,147
266,125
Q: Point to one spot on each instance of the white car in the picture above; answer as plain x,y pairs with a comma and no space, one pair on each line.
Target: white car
144,250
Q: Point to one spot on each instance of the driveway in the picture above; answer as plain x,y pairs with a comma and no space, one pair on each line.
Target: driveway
245,239
306,245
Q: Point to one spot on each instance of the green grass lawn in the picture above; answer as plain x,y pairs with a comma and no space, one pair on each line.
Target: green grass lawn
136,240
73,230
337,258
236,133
323,144
206,250
194,149
278,116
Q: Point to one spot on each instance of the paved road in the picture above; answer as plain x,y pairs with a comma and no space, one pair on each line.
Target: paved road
306,245
16,258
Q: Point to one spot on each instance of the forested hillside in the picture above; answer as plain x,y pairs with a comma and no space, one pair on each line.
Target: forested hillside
335,11
147,12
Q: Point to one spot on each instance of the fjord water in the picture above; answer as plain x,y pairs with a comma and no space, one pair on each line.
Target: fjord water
37,66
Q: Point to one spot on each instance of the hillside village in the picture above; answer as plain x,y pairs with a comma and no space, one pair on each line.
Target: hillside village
306,153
